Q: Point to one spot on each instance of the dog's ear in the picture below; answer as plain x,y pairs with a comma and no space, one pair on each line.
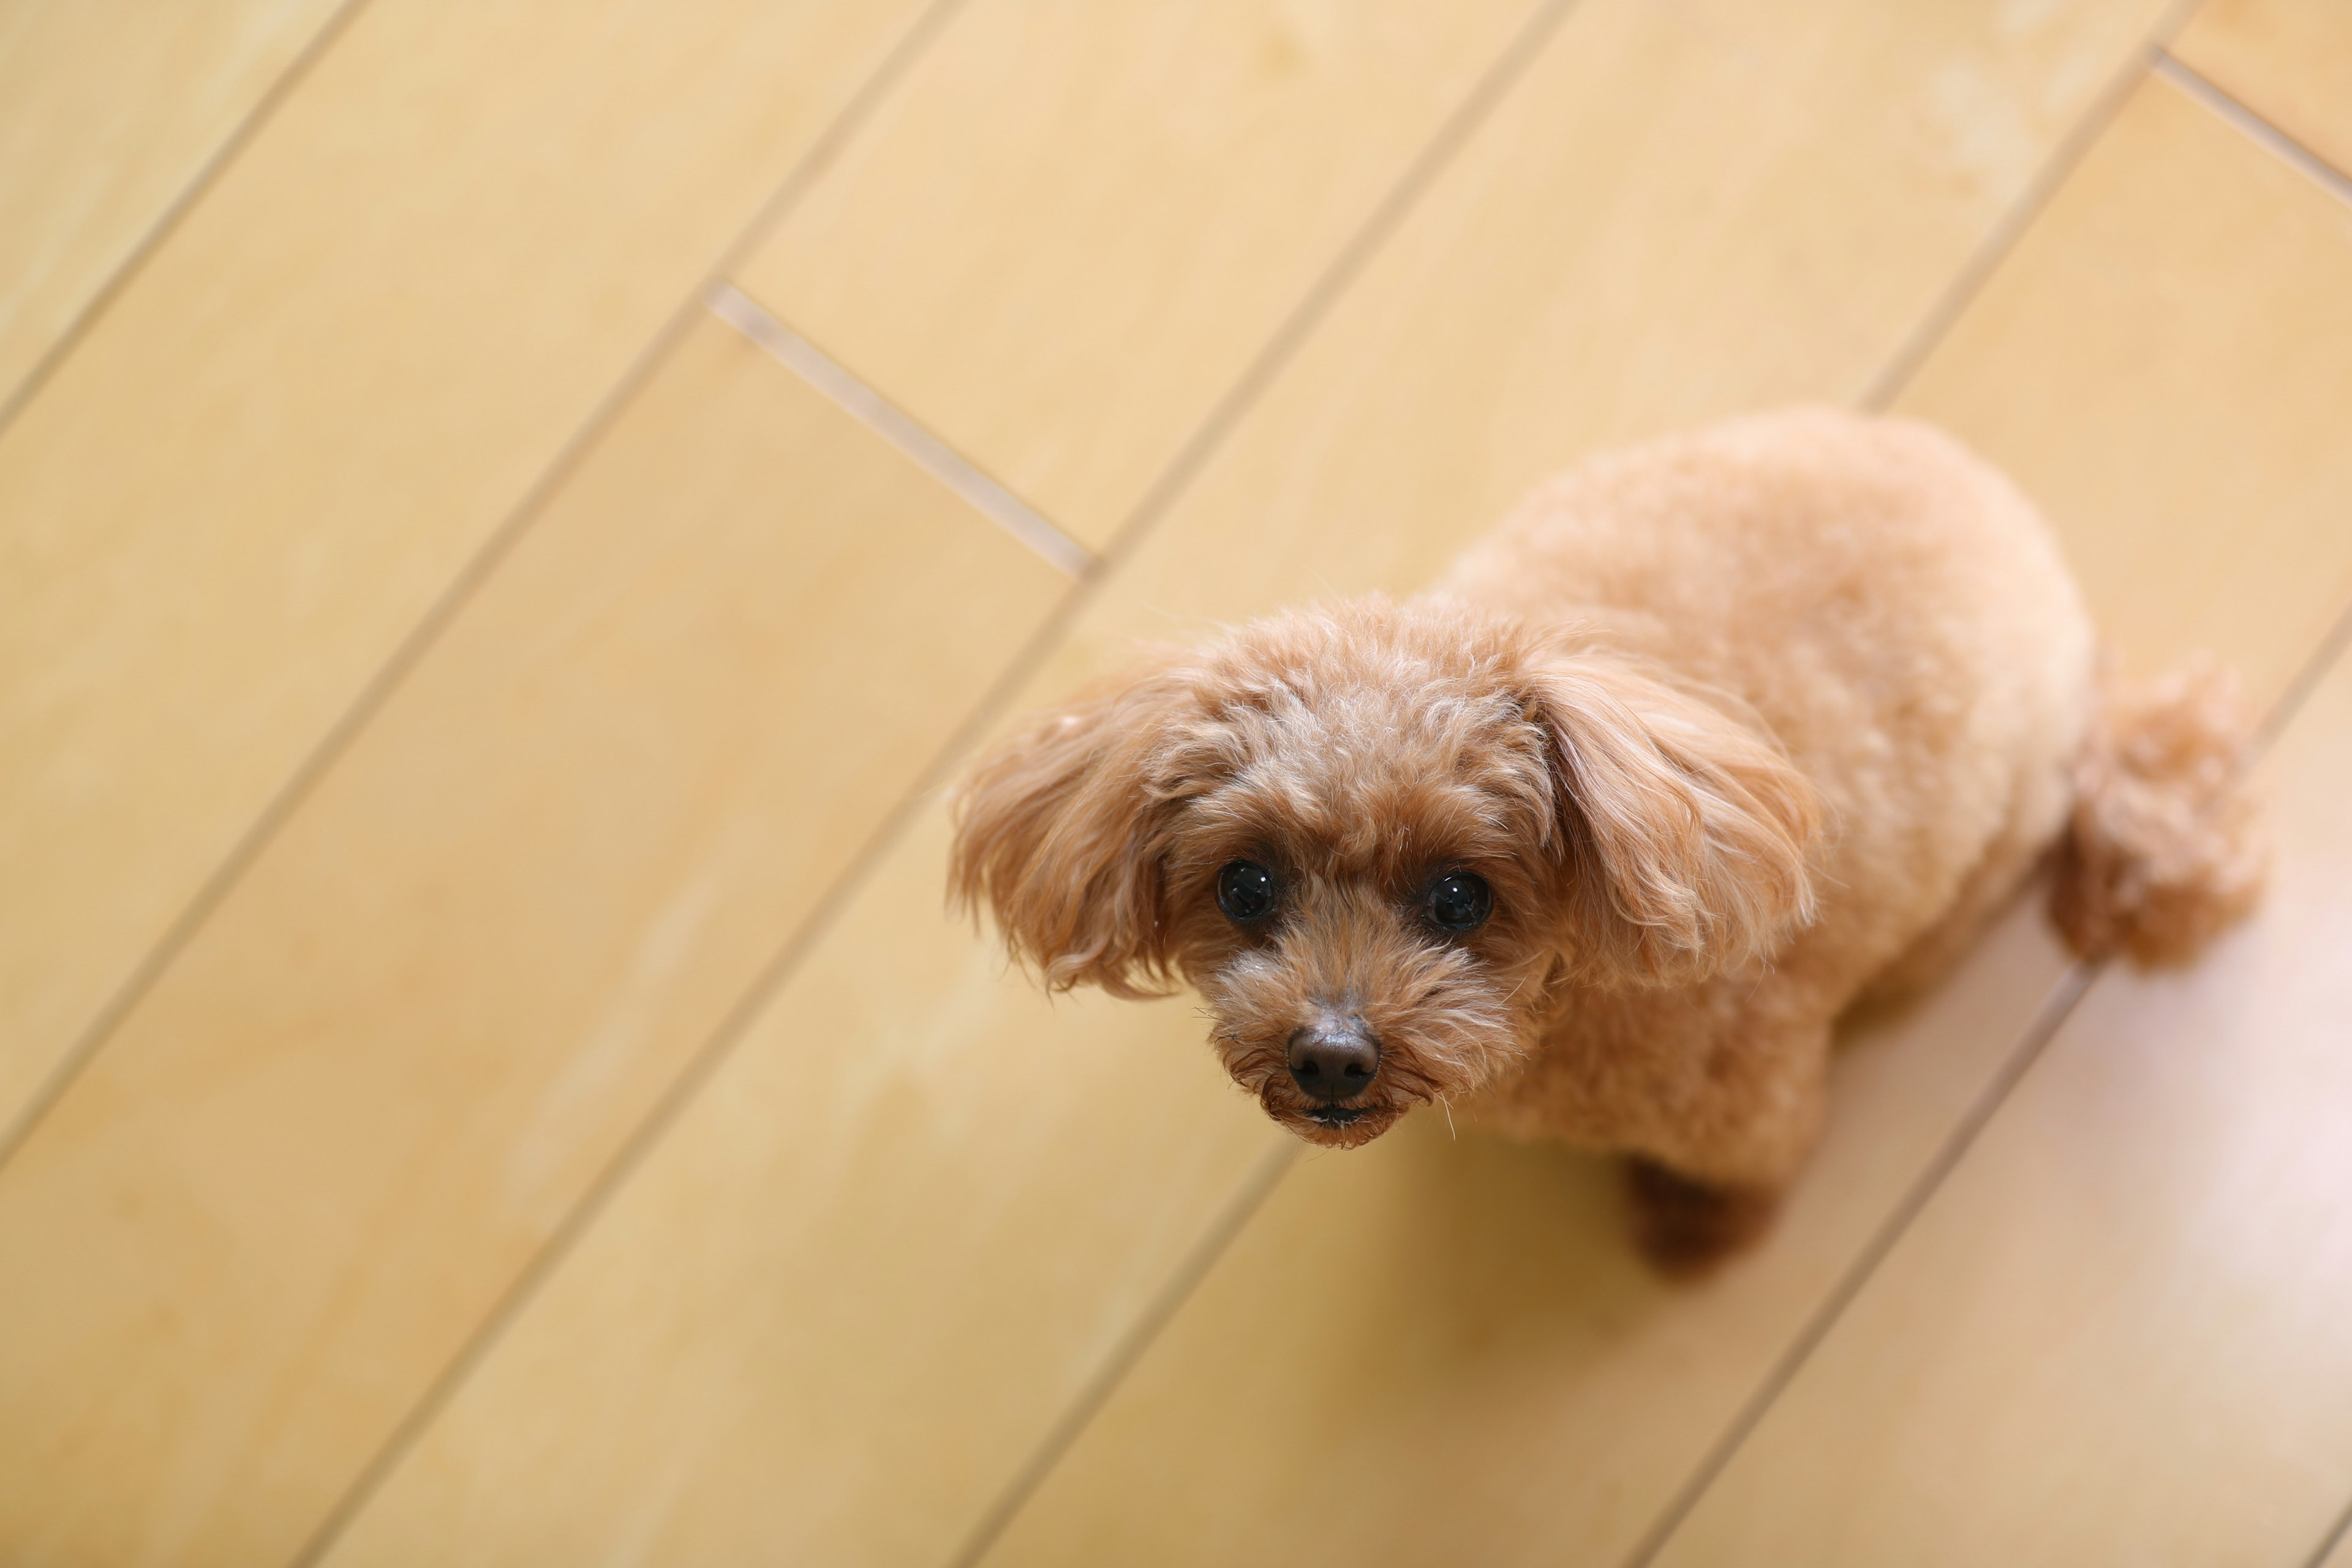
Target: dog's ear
1686,829
1061,828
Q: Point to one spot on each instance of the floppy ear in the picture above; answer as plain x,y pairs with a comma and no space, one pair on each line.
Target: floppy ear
1061,830
1687,828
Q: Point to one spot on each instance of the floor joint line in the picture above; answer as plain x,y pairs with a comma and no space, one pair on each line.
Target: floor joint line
1437,155
2019,216
628,1156
167,223
1231,1220
1884,1238
2252,125
2332,1540
877,414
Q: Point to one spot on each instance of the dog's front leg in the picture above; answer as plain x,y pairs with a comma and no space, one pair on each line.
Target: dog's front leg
1751,1123
1686,1227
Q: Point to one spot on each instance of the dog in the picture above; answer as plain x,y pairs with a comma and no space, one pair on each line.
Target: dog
1596,838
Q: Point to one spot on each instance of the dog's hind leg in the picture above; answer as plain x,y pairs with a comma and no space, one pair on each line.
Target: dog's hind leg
2036,814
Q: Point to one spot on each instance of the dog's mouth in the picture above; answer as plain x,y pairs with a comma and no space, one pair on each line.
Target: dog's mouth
1338,1126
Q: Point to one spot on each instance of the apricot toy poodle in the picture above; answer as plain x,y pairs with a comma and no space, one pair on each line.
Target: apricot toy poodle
1597,838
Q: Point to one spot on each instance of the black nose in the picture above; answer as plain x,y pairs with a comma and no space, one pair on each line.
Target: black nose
1333,1059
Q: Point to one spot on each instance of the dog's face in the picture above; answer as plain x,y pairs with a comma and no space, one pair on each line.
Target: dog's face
1380,841
1356,868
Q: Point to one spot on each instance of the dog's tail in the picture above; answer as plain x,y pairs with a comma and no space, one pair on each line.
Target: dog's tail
2166,845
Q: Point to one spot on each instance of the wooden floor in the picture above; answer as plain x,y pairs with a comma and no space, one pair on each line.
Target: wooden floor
509,512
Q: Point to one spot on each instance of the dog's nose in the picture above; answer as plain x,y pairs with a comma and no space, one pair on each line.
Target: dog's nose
1333,1059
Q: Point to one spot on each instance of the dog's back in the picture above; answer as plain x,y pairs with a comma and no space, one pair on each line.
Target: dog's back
1894,611
1901,619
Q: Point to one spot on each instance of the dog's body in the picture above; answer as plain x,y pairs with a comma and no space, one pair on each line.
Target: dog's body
1899,618
1596,838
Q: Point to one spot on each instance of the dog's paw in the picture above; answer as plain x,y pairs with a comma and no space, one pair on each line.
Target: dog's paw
1686,1228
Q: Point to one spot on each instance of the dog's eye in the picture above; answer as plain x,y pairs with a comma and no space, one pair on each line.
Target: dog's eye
1461,901
1245,892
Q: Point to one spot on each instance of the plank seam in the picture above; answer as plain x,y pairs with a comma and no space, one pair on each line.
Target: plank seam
2306,680
2020,214
877,414
1140,1337
1437,155
634,1148
2252,125
2332,1540
2036,1036
208,174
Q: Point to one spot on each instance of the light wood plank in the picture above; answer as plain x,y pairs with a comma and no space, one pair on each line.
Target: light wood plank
2116,1335
1557,1402
243,1244
1059,245
834,1313
2288,60
347,366
1503,332
108,110
2165,362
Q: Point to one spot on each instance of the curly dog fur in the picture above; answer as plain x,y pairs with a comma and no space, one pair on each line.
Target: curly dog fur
1730,728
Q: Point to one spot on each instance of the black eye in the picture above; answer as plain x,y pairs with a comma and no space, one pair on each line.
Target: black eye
1461,902
1245,892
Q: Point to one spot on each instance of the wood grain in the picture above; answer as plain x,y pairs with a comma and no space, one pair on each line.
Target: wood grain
1068,234
2288,60
345,369
108,111
245,1242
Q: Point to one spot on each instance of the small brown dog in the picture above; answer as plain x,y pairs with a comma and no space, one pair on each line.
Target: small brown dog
1596,838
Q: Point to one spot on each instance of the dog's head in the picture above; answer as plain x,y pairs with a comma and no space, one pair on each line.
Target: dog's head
1381,840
